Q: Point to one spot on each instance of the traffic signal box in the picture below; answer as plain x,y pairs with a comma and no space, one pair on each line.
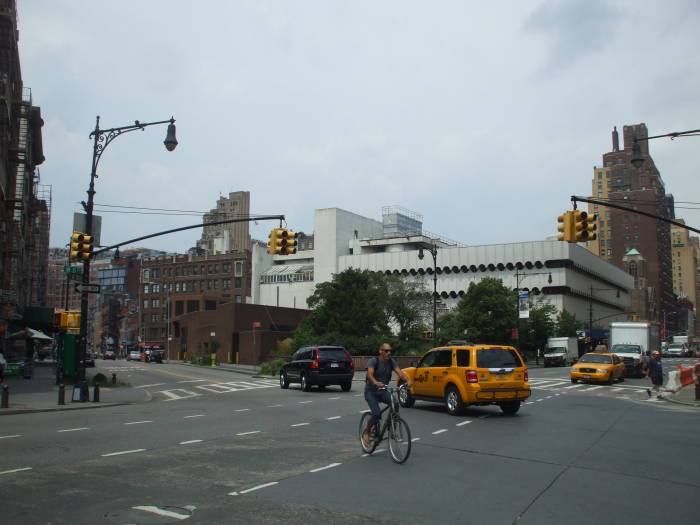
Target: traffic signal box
566,227
67,320
282,242
584,226
80,246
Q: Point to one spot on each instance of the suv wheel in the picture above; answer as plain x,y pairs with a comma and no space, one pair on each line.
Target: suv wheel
284,382
453,401
510,408
405,398
305,385
346,386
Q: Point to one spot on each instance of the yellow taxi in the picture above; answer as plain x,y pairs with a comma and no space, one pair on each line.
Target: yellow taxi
462,374
599,367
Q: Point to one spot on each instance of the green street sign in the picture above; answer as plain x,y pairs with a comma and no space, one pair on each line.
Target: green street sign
78,270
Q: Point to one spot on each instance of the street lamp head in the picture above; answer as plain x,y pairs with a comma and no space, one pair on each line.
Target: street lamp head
420,253
170,140
637,159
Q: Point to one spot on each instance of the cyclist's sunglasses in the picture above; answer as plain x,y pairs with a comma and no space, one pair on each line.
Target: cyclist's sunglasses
387,351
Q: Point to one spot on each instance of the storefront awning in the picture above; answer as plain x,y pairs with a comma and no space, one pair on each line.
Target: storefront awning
30,333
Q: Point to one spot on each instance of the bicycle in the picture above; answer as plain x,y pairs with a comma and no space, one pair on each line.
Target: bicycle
399,435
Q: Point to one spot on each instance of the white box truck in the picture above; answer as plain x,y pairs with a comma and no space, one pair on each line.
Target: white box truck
634,342
561,351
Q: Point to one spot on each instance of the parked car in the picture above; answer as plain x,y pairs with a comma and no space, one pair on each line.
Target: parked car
677,350
133,355
469,374
154,356
598,367
110,354
319,365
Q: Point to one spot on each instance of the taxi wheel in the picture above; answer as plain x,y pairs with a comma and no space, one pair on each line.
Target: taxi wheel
574,380
453,401
611,379
510,408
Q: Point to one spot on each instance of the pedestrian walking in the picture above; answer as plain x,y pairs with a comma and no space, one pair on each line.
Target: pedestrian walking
3,364
655,373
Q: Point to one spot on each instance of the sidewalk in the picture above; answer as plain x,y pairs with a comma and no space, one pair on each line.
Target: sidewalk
685,396
40,393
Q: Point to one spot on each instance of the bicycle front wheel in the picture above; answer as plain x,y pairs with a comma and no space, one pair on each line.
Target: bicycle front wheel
399,440
369,447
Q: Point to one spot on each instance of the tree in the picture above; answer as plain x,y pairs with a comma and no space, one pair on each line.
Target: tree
486,312
567,325
408,305
540,326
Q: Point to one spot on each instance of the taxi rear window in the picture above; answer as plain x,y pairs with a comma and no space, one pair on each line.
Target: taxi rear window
497,358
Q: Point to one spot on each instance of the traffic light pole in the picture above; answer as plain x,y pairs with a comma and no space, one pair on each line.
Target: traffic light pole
101,139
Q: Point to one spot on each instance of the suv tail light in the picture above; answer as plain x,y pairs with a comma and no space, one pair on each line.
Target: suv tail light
314,363
350,358
471,376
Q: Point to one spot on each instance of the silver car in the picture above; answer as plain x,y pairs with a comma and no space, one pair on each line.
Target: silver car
133,355
677,350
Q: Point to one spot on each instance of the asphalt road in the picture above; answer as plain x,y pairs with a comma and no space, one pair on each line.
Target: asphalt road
221,447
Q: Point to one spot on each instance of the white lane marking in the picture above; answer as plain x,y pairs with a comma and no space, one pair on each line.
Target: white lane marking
242,410
463,423
303,402
548,397
246,491
326,467
73,429
162,512
560,383
15,470
440,431
192,381
195,415
177,393
123,452
246,433
538,400
330,398
299,424
190,441
529,402
356,395
138,422
146,386
616,389
12,436
557,394
415,439
572,386
273,406
334,417
592,388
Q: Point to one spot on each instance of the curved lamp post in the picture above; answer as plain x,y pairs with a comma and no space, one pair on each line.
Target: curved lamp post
101,139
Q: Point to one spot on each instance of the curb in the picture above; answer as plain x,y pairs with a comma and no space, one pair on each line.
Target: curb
87,406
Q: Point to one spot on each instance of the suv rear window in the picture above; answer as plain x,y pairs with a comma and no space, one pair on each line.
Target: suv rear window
497,358
337,354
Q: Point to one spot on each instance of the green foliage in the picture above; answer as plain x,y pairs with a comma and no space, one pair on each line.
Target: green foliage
541,325
486,314
271,368
567,325
408,304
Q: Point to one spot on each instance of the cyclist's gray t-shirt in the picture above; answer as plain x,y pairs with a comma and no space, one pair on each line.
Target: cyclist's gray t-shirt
382,371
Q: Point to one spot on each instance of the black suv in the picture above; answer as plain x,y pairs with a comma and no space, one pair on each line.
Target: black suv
319,365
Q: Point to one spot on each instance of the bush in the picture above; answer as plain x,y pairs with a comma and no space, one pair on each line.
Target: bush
99,379
272,368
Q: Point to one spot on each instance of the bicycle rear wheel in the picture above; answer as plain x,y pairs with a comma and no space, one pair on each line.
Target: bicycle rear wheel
364,420
399,440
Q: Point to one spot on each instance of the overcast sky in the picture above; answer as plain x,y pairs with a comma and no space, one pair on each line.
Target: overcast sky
484,117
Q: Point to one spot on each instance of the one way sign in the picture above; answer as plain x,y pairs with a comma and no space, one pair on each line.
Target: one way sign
87,288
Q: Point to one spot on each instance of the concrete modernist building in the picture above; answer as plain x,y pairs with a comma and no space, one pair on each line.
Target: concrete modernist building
565,275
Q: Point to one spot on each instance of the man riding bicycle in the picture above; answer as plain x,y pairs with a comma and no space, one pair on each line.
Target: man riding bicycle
379,370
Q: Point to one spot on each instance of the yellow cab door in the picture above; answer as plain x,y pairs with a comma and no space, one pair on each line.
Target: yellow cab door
439,370
423,377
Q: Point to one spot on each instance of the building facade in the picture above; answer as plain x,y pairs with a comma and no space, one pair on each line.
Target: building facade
621,231
222,238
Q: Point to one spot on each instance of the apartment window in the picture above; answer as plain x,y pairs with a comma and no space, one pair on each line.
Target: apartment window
155,317
226,284
226,268
146,274
239,269
155,288
238,298
153,333
609,251
156,303
145,288
192,306
146,303
177,287
179,307
216,268
238,282
210,305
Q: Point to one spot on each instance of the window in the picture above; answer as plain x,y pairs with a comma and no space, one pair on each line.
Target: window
226,268
156,303
462,357
238,298
427,360
155,288
146,274
145,288
155,317
210,305
443,358
226,284
239,269
146,303
177,287
238,282
179,307
192,305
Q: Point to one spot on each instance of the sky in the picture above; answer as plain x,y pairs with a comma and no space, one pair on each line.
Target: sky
483,117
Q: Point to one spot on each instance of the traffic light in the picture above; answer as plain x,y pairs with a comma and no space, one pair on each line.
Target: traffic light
584,226
80,246
566,227
274,245
291,243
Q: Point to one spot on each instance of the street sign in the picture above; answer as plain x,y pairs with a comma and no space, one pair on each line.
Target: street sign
78,270
87,288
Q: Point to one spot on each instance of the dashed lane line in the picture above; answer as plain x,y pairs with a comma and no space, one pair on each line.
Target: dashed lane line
463,423
74,429
439,431
190,442
299,424
333,417
15,470
123,452
138,422
325,468
12,436
246,491
195,415
248,433
242,410
304,402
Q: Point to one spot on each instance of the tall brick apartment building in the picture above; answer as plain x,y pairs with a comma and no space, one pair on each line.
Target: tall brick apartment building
621,231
